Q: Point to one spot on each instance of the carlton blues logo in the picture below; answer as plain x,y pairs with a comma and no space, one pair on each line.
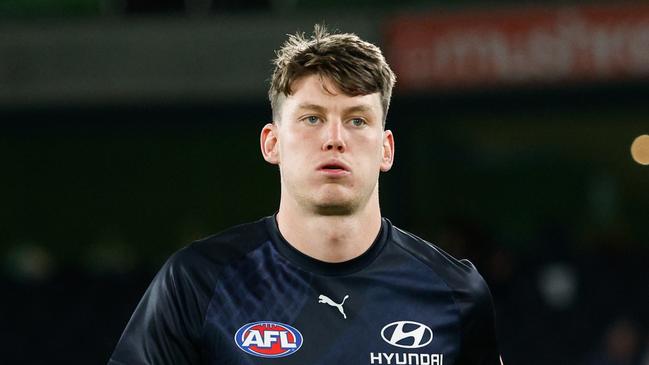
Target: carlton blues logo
268,339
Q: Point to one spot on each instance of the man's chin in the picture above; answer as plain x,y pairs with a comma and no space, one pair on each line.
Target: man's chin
333,209
336,202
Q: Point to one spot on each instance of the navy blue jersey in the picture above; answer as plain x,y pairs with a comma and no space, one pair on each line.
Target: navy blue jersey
246,296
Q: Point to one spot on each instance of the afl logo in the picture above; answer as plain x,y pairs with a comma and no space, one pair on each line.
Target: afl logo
407,334
268,339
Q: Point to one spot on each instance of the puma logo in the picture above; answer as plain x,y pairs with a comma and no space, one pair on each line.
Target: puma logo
325,299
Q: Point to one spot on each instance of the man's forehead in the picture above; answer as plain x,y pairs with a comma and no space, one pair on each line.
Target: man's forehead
321,83
314,91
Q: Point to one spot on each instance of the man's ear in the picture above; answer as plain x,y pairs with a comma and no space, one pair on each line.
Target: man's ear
388,151
269,143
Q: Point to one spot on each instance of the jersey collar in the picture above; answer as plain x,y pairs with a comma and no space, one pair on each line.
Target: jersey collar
316,266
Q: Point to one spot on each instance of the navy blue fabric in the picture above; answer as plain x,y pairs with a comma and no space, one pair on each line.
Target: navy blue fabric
209,290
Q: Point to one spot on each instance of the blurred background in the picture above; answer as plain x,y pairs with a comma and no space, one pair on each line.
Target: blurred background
130,128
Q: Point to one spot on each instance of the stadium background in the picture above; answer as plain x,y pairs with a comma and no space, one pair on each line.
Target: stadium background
130,128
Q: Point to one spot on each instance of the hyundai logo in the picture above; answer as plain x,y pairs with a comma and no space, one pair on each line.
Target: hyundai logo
407,334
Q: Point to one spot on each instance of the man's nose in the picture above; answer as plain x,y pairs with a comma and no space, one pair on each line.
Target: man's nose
335,139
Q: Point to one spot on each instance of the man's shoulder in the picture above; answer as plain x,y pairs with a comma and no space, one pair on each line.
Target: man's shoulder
233,242
459,274
220,248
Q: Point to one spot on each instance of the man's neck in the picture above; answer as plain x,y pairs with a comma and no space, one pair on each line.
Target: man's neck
330,238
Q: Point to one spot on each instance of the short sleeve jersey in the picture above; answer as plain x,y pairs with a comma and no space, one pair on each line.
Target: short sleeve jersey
246,296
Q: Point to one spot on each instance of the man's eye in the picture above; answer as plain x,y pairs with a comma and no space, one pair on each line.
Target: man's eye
312,119
358,122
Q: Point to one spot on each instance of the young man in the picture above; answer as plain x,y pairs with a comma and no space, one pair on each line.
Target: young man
326,280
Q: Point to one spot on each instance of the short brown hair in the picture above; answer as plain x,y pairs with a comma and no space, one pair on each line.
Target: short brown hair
356,67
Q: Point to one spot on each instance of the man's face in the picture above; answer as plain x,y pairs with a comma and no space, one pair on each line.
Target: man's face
330,147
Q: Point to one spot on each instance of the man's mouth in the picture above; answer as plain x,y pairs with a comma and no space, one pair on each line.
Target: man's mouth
332,167
336,168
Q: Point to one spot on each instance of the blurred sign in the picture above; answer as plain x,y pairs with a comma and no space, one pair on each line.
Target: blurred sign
455,50
162,60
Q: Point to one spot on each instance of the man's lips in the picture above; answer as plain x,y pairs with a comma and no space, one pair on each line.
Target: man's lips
334,167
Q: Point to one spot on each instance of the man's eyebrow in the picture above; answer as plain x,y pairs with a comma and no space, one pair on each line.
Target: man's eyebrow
362,108
315,107
358,109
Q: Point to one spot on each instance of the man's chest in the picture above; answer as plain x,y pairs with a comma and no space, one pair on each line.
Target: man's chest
292,318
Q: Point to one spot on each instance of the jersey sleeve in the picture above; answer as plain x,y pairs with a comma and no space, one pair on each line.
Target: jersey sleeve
479,343
167,323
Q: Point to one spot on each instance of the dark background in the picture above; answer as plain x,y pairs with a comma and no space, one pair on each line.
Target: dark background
535,185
